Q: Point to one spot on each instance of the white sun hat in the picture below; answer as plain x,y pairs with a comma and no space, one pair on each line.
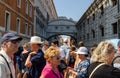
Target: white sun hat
82,50
35,39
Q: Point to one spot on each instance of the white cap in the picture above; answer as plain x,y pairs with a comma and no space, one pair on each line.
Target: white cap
65,40
82,50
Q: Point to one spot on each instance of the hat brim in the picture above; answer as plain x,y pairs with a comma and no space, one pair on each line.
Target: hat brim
81,53
35,42
16,38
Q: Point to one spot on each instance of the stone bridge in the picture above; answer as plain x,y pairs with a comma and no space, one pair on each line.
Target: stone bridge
61,26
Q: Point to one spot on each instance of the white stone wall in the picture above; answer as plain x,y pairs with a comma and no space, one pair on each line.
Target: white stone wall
106,20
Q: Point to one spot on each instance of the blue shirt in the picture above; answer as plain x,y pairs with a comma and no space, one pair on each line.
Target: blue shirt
38,63
82,68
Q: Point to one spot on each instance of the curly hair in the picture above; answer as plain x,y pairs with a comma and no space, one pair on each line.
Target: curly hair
51,52
101,53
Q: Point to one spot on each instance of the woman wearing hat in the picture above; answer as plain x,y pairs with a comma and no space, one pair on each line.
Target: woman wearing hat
81,69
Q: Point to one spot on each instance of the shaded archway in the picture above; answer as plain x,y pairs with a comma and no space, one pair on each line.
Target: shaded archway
55,35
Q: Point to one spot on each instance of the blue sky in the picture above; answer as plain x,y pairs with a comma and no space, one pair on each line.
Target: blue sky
72,8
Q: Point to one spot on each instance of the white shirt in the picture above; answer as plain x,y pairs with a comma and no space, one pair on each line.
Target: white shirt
62,53
4,69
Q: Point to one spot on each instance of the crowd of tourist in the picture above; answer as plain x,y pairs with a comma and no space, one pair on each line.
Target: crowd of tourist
49,59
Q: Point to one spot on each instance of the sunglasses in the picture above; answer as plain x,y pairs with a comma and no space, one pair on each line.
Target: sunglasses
46,44
14,41
58,57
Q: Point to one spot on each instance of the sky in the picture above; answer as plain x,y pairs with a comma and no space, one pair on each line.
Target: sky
72,8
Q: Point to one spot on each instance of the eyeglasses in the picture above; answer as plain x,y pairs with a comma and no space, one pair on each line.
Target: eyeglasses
46,44
15,41
58,57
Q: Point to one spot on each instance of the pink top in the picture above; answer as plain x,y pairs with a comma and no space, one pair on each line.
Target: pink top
48,72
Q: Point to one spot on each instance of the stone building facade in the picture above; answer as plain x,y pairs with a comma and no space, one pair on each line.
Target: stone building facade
26,17
98,23
44,11
17,17
118,17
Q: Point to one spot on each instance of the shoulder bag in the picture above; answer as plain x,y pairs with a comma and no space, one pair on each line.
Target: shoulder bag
8,65
26,73
96,69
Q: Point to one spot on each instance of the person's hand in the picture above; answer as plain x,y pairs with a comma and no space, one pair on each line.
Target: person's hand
33,53
69,68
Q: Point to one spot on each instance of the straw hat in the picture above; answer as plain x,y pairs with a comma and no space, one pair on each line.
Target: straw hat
35,39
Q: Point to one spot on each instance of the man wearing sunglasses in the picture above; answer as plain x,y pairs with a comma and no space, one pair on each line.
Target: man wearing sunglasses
9,45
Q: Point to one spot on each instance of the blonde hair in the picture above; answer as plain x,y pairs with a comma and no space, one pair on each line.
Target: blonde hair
101,53
46,42
51,52
25,45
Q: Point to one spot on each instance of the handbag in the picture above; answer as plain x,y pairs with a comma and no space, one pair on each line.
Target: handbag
26,73
96,69
62,66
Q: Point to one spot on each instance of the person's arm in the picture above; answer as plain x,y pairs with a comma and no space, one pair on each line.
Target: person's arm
69,41
67,59
28,63
62,54
41,76
82,70
72,73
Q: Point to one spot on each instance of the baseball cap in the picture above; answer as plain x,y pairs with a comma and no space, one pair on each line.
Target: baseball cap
10,36
65,40
82,50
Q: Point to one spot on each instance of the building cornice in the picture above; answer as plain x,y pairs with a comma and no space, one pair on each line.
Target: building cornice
96,4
